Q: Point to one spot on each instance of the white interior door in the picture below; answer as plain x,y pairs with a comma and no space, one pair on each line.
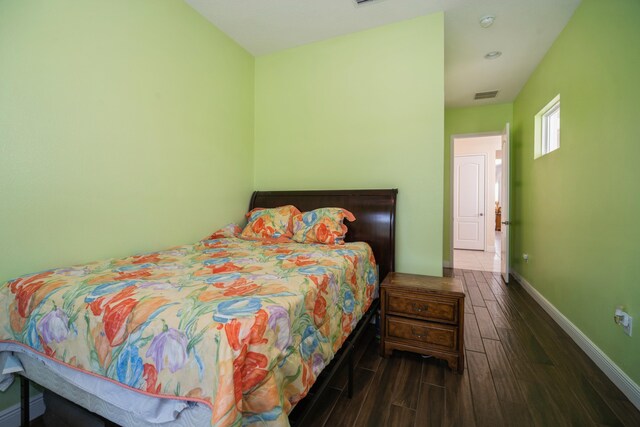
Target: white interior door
504,197
469,202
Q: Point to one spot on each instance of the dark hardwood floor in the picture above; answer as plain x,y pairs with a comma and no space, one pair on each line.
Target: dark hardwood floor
521,370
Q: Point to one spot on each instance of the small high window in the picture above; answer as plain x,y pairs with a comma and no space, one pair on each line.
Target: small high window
547,128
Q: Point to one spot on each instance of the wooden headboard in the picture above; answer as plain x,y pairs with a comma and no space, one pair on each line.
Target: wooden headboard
375,212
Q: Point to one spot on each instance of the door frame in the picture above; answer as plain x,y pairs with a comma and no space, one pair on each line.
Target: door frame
452,156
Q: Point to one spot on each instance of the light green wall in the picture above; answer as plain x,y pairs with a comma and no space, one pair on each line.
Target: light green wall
575,211
124,127
460,121
363,110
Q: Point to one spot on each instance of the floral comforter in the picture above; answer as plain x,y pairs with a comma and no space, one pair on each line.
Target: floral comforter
244,327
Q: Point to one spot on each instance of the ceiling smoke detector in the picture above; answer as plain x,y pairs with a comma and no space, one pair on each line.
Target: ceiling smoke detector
486,95
487,21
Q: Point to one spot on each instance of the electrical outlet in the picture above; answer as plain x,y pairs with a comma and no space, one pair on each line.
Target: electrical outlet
525,257
627,328
623,319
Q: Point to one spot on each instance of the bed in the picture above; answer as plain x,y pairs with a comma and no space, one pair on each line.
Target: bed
222,332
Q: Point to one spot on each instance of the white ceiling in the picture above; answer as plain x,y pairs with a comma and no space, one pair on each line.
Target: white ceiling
524,30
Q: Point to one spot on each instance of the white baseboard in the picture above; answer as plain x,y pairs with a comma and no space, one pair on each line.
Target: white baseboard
606,365
10,417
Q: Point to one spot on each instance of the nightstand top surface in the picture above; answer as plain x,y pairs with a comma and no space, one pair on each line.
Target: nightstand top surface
447,285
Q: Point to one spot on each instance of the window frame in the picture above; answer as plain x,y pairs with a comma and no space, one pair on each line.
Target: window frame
542,129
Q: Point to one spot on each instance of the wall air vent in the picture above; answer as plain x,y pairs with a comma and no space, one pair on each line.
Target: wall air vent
486,95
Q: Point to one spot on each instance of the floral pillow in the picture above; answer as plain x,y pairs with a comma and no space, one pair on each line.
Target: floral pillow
229,230
323,225
275,223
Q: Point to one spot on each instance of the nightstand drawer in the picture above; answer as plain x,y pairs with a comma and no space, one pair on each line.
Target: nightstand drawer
431,334
424,308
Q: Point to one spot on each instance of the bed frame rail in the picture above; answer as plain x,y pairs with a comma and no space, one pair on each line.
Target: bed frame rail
344,355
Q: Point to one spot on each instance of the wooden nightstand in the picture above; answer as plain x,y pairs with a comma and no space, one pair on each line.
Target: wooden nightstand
424,315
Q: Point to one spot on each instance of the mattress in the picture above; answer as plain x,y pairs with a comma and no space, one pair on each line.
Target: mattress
240,327
121,405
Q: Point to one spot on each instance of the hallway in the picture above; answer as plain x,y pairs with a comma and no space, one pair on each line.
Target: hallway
479,260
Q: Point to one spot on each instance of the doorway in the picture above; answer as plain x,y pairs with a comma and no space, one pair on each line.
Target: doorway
476,199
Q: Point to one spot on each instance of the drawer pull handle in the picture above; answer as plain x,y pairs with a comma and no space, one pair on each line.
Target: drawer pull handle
416,334
419,307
